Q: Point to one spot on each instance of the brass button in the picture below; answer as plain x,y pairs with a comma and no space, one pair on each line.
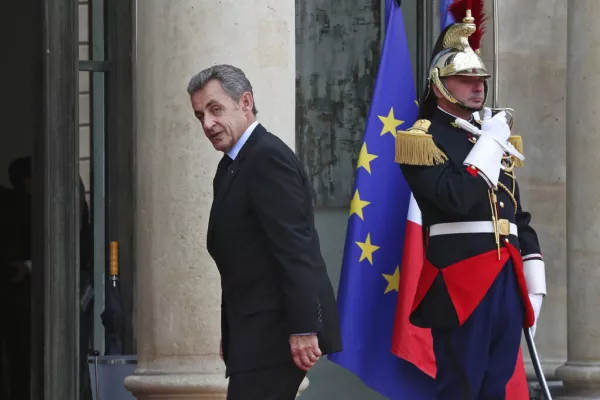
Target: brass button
502,204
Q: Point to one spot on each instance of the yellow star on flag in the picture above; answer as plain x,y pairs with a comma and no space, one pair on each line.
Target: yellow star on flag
393,281
367,249
390,123
357,205
364,158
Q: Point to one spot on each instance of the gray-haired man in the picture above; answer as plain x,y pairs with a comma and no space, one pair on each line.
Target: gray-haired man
278,307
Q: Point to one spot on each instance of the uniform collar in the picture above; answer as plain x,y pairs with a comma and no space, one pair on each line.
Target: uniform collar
452,116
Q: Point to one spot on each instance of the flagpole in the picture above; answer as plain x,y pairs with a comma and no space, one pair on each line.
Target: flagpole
423,43
420,47
496,74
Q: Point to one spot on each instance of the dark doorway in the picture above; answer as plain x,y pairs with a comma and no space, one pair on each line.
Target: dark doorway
41,203
67,138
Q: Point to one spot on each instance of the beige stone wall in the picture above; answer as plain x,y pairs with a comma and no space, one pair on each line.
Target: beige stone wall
178,292
532,67
532,75
581,373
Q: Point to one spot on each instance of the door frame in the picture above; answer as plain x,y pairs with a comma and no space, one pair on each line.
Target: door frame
55,355
55,176
120,152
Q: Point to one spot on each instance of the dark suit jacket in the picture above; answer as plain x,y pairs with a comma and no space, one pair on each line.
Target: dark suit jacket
262,237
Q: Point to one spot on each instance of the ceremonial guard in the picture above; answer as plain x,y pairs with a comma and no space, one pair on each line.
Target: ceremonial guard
483,279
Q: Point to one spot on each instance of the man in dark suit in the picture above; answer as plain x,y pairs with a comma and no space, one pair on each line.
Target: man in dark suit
279,312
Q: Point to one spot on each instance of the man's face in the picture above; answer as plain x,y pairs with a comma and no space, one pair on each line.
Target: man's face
469,90
223,120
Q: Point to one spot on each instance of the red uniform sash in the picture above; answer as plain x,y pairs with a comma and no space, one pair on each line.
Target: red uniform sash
469,280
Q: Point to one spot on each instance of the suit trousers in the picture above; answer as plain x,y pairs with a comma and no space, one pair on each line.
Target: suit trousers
279,382
476,360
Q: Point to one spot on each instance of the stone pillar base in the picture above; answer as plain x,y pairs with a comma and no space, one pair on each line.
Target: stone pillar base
581,395
176,386
549,368
183,386
581,381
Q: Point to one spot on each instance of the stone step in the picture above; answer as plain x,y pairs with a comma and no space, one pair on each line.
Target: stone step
556,389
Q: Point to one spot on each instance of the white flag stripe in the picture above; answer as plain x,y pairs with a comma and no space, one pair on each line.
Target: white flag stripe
414,212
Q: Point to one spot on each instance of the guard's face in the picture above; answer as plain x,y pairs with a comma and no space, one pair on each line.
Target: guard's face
469,90
223,120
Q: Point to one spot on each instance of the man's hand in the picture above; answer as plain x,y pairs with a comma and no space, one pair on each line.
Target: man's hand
305,350
221,349
495,127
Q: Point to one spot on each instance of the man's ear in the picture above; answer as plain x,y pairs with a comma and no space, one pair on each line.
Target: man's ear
247,101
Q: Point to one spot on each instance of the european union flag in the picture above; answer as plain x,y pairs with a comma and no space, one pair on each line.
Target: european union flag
374,240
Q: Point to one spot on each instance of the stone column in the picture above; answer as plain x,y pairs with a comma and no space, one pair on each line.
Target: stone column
178,291
526,62
581,373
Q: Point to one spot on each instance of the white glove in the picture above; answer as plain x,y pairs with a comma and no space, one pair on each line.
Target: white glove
497,128
536,303
486,155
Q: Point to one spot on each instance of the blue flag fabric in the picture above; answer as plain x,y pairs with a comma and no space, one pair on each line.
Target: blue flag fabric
445,17
369,280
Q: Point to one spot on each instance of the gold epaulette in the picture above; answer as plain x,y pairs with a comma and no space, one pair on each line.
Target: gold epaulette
517,141
416,147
